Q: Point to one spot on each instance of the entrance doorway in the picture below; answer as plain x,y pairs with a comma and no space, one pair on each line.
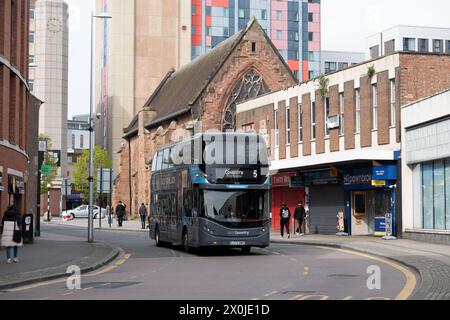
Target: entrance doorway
360,213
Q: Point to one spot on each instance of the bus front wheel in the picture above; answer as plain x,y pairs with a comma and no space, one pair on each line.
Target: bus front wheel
157,237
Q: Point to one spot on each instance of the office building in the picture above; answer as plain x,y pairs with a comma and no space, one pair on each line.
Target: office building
332,61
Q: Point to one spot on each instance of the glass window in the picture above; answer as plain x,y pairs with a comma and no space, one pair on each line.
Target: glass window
447,194
193,10
31,37
341,114
300,123
81,141
279,34
427,195
438,46
310,17
326,113
313,120
31,85
73,141
279,15
32,12
374,107
358,111
166,157
264,14
310,36
159,161
288,126
241,13
409,44
439,195
375,51
330,66
393,105
448,46
423,45
277,130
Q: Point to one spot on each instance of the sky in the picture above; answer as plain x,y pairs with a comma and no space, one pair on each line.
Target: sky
345,26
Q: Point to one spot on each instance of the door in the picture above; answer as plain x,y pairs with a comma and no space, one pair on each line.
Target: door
360,213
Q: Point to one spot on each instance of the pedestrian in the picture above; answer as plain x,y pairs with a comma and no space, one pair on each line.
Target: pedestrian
120,213
285,216
11,233
299,216
143,214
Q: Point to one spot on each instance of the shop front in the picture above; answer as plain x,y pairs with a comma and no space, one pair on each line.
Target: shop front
369,196
16,190
285,189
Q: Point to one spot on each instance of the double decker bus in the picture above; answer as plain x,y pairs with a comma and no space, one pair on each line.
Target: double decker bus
212,191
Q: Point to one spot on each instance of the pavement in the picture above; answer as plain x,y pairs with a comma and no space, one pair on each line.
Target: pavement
49,257
129,225
430,261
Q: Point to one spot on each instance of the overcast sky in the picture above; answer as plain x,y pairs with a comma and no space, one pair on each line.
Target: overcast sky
345,26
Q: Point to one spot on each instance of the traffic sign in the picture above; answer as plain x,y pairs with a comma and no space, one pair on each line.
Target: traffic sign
46,169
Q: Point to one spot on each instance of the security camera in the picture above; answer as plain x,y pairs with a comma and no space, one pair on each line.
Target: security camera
99,115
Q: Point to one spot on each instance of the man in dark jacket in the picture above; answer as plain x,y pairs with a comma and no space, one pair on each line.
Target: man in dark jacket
120,213
14,219
299,216
143,214
285,217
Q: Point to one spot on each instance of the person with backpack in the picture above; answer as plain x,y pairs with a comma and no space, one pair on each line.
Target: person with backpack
285,217
11,229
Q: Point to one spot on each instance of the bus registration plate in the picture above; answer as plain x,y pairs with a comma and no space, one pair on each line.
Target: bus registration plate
237,243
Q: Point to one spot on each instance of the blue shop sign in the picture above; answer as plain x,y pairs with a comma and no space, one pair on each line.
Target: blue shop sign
384,173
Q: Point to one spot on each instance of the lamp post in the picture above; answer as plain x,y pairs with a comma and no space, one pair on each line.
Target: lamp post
103,15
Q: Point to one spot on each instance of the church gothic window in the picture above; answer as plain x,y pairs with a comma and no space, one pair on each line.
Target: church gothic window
250,86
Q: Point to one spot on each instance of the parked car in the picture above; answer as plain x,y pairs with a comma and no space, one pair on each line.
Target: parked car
83,212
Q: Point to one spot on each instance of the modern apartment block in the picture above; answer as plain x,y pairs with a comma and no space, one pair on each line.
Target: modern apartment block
332,61
409,38
293,26
145,39
337,147
48,65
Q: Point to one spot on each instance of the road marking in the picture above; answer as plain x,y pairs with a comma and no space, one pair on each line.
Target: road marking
133,277
312,296
271,294
48,283
411,280
254,299
348,298
41,299
378,298
294,260
86,289
122,261
297,297
68,294
276,253
105,284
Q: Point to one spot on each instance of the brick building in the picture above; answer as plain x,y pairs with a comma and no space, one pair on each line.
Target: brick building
203,94
14,102
339,150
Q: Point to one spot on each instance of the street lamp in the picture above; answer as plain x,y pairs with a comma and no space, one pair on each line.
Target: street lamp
103,15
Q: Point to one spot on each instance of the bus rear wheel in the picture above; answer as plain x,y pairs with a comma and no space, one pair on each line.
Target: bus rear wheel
185,242
246,249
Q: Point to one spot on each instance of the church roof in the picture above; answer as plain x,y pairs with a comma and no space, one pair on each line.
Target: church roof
180,90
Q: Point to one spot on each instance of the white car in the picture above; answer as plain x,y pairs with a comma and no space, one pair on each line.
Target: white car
83,212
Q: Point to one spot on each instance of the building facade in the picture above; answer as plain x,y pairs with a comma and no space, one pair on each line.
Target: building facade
332,61
145,38
426,169
49,43
336,145
409,38
14,102
200,96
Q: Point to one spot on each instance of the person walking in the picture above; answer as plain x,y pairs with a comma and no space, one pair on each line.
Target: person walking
143,214
11,233
285,217
299,216
120,213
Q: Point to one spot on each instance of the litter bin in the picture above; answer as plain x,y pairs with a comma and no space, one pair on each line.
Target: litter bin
28,228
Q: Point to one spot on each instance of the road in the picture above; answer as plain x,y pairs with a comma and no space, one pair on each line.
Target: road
280,272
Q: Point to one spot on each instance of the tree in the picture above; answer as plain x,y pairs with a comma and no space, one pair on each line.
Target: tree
48,179
81,173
